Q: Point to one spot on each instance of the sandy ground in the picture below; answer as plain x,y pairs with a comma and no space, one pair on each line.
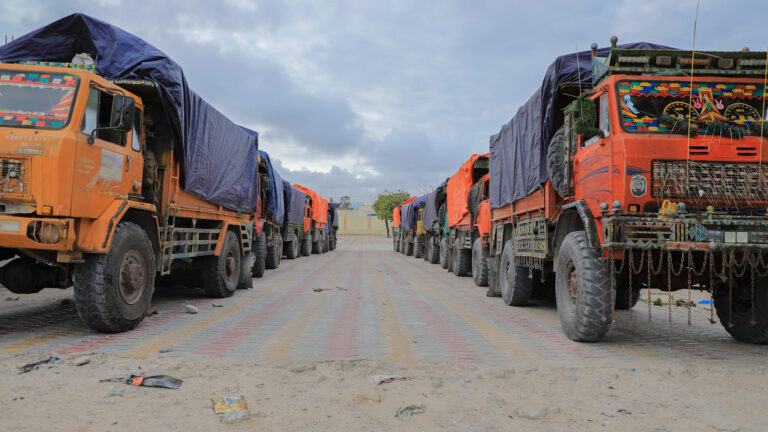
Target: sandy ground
331,396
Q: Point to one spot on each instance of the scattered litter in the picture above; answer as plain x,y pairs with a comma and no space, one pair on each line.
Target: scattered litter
163,381
32,366
222,404
373,397
217,305
341,289
191,309
320,289
114,393
384,379
12,298
405,413
623,411
165,349
149,314
705,301
235,416
82,360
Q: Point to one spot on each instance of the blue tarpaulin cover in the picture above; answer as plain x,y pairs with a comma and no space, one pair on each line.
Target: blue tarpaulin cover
218,159
435,199
408,212
519,151
294,204
275,203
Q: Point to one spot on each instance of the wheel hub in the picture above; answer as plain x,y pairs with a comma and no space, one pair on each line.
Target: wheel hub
230,265
573,285
131,278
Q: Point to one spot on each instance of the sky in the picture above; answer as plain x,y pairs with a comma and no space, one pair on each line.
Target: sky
355,97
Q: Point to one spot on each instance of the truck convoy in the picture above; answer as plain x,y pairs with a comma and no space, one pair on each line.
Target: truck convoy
635,167
398,236
316,228
413,239
114,172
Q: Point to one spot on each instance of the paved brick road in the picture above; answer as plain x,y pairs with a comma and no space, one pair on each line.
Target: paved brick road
376,304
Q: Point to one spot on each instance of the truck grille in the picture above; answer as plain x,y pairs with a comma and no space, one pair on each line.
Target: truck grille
710,181
14,176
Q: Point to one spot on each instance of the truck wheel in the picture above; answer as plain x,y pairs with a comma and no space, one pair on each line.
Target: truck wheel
271,259
408,249
416,248
113,290
292,248
317,247
395,243
448,256
735,311
246,280
306,246
462,260
556,162
434,252
425,249
583,290
443,251
325,243
514,283
259,255
220,275
479,264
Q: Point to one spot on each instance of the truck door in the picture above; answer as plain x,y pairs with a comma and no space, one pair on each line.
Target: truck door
593,160
111,167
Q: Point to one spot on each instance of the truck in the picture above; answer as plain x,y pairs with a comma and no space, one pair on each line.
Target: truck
432,220
636,167
268,245
397,228
412,232
333,226
317,221
296,212
105,186
465,245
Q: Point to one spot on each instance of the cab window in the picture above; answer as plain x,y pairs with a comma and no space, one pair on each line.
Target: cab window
136,133
97,115
605,120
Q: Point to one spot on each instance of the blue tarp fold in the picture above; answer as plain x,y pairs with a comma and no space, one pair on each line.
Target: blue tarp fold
218,159
519,151
275,203
435,199
295,201
408,212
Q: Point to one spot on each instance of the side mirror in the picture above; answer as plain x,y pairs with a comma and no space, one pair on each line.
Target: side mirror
121,117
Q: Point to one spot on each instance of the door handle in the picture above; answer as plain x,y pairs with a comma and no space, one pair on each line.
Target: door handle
128,160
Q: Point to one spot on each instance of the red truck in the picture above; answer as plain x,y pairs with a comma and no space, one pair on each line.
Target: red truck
653,177
316,222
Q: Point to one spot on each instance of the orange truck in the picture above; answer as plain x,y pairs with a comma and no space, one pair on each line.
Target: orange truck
464,248
94,192
398,235
316,226
655,176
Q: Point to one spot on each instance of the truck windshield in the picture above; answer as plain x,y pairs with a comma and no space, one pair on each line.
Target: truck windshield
36,99
711,108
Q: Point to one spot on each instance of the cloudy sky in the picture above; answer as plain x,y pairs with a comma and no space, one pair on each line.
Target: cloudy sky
354,97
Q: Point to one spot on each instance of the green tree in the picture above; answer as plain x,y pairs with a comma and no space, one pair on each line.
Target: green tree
386,202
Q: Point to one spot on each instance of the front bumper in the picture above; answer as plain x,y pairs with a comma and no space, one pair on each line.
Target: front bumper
708,232
18,232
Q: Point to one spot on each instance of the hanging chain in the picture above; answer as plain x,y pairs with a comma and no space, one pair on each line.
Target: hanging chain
650,269
669,285
752,274
730,287
613,286
711,287
690,267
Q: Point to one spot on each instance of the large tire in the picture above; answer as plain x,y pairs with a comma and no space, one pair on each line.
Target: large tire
407,248
514,283
479,264
220,275
462,260
449,257
317,246
246,280
325,242
443,250
259,256
272,260
583,290
292,248
113,290
737,319
306,246
394,242
556,162
433,251
417,252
